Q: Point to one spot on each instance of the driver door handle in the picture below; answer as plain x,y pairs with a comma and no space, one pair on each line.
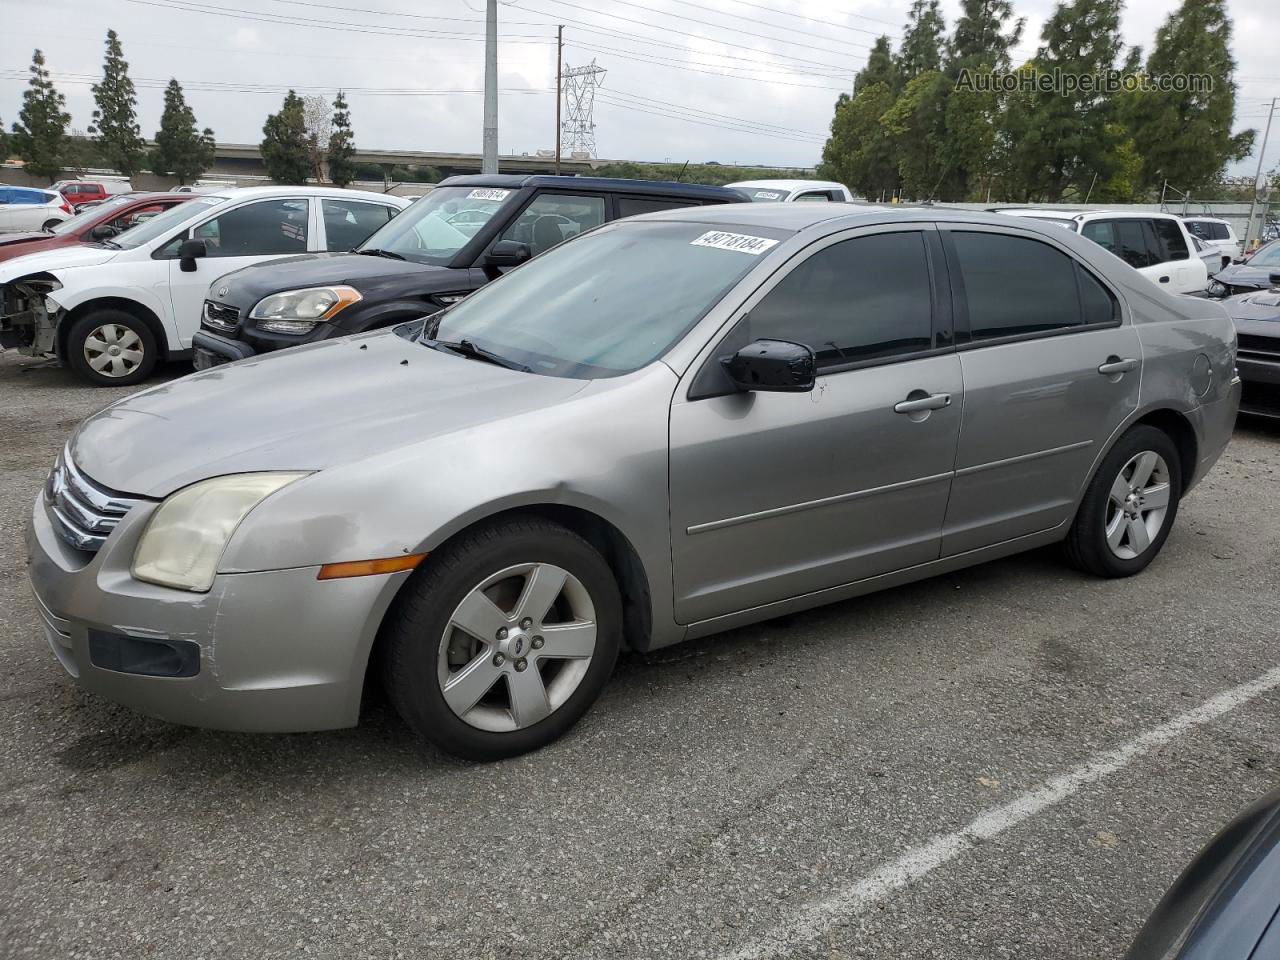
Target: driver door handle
1115,365
935,401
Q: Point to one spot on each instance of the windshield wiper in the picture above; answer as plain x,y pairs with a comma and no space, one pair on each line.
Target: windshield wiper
467,348
378,252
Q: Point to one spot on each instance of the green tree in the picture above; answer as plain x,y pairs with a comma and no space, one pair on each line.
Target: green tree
342,144
40,134
921,47
115,119
285,148
913,123
181,150
1185,137
984,34
859,152
4,143
879,68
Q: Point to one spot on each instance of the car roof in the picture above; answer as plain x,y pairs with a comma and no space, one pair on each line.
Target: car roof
1207,219
248,193
603,184
1062,213
795,217
790,184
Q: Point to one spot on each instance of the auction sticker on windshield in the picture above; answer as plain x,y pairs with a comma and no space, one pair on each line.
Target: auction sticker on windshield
741,242
487,193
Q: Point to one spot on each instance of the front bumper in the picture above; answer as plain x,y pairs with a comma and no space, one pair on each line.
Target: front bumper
278,651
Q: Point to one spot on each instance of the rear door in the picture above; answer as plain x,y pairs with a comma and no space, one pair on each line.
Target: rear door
1188,272
1051,367
774,495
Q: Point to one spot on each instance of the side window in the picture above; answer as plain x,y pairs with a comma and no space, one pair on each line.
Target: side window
631,206
348,223
553,218
819,195
1136,243
1218,231
1096,302
140,215
266,228
1172,243
1015,285
860,299
1103,233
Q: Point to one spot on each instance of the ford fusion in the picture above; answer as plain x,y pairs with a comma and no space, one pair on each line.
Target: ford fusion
666,427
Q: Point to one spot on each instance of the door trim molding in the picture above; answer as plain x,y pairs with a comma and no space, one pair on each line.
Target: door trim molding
1022,458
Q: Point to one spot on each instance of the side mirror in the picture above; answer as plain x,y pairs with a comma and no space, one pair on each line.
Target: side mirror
189,252
777,366
508,253
103,231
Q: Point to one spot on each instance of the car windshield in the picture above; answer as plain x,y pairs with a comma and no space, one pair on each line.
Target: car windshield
434,229
89,215
606,303
1268,256
162,223
764,194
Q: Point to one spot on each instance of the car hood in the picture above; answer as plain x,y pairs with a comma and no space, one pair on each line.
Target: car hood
63,258
247,286
1243,275
1263,305
308,408
7,239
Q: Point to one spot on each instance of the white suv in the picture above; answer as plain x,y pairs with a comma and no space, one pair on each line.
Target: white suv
1157,245
1218,233
113,310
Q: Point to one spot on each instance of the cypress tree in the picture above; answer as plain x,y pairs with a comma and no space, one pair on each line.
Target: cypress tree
39,136
342,144
921,47
879,68
115,119
181,150
285,149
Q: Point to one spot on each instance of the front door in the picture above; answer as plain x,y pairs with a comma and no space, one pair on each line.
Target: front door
1050,368
251,233
774,495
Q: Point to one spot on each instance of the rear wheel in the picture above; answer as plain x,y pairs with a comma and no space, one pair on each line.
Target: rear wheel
1129,506
504,639
112,348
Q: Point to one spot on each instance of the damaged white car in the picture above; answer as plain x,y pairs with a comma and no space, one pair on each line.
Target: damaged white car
113,310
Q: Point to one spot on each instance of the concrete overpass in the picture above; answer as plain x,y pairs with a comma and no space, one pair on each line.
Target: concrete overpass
245,160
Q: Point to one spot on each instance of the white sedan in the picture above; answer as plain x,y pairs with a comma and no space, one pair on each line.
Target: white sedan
26,210
113,310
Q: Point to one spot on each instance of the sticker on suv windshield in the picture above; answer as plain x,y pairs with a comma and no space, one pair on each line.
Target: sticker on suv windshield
488,193
741,242
767,195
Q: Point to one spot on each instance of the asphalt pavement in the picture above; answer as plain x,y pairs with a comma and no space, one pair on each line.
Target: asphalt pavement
1012,761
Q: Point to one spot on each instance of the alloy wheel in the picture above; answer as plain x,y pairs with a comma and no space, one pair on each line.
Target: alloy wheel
1137,505
517,647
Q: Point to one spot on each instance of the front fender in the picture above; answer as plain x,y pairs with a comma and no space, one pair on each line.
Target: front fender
77,293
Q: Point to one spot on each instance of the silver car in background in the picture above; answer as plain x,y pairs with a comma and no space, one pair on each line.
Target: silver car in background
667,427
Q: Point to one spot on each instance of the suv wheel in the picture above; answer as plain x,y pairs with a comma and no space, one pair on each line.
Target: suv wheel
503,639
1129,506
112,348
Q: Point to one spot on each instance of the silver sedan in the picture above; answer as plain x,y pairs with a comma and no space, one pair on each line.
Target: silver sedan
670,426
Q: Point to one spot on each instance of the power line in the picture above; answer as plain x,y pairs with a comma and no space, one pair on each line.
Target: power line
801,16
764,127
725,73
603,97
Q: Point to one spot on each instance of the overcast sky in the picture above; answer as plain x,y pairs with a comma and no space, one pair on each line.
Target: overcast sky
748,81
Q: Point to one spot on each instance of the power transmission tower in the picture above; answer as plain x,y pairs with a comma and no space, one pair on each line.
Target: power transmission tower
580,100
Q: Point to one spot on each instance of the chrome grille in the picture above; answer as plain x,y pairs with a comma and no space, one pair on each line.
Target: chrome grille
84,513
220,317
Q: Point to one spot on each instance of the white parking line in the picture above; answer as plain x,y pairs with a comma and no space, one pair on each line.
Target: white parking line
817,918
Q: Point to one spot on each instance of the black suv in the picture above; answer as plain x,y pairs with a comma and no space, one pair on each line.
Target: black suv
457,238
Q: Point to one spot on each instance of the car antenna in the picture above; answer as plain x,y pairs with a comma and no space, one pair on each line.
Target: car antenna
680,175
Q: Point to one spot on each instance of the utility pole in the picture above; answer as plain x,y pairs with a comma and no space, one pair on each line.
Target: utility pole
559,88
1257,179
489,160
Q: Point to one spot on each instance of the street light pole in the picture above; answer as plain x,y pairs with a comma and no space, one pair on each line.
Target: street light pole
559,88
489,160
1257,178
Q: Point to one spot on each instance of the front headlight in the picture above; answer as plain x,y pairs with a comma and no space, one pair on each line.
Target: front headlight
1216,289
185,537
298,311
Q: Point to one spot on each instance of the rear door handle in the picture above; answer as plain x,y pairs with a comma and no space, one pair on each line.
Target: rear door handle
1115,365
935,401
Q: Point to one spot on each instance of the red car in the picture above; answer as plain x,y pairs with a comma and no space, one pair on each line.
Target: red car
102,222
77,192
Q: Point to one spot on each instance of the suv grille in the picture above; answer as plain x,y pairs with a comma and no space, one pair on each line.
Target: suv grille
84,513
1260,348
220,317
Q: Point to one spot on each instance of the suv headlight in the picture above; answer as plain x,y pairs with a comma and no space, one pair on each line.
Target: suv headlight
185,537
298,311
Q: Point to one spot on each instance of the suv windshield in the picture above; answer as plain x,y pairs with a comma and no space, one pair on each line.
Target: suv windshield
162,223
433,229
89,215
603,304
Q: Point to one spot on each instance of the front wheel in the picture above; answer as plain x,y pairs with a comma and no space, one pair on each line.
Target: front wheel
48,225
503,639
1129,506
112,348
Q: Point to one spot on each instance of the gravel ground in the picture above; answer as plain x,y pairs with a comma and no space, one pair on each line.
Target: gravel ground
720,796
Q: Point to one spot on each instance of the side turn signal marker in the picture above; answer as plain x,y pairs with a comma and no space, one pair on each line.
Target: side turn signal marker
367,568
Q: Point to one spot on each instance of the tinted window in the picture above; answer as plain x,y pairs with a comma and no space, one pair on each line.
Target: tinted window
1218,231
860,299
1173,243
265,228
1127,239
814,195
1014,285
347,223
1096,301
553,218
630,206
1198,228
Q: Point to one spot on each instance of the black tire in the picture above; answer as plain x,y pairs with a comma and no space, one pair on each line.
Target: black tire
49,225
417,623
1086,544
107,318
